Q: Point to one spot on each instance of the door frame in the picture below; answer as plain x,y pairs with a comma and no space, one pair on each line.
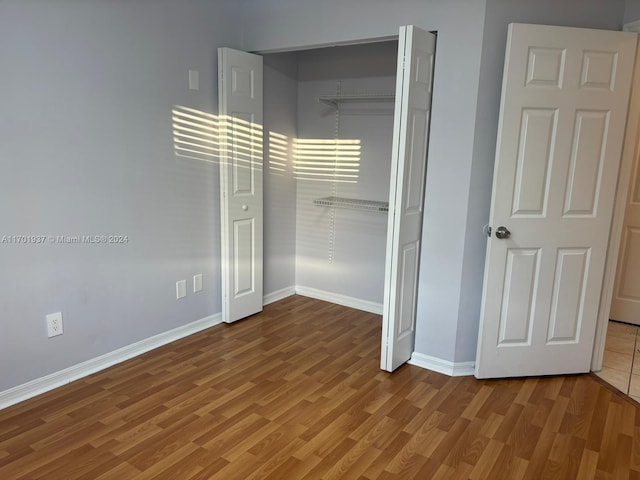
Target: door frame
629,151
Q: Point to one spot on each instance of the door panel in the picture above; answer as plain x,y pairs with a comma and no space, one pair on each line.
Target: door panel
587,162
409,277
534,164
417,164
564,103
631,265
569,286
244,252
416,51
240,99
625,304
599,70
517,297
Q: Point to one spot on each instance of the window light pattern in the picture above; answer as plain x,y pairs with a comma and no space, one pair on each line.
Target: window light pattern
207,137
203,136
278,152
327,160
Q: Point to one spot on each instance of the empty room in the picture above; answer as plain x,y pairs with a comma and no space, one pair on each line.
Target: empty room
285,239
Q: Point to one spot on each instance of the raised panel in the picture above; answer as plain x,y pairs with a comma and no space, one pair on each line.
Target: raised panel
629,286
545,67
568,295
243,141
242,82
587,159
599,70
533,165
416,163
408,281
244,256
424,70
518,297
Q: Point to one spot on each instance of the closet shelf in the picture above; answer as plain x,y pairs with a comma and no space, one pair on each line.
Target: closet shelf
352,203
335,100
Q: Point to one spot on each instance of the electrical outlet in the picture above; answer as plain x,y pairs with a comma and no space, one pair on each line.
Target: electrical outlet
181,289
54,324
197,283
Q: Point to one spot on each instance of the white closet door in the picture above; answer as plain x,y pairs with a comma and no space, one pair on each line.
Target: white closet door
241,164
562,121
406,199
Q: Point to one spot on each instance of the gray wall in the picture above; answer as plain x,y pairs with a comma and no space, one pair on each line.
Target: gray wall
87,90
348,260
631,11
280,116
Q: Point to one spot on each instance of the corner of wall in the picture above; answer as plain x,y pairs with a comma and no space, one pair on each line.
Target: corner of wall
478,206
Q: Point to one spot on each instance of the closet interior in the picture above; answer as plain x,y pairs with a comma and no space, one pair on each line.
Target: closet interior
340,160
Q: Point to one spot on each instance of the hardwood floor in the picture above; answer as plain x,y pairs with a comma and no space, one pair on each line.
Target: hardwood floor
296,393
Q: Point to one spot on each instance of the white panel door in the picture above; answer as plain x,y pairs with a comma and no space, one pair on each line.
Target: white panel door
564,101
625,305
240,105
406,198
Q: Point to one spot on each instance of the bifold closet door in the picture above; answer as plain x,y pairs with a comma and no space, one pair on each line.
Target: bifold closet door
414,81
241,165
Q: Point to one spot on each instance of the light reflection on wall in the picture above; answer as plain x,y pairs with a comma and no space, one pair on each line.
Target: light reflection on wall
241,142
196,134
278,152
327,160
207,137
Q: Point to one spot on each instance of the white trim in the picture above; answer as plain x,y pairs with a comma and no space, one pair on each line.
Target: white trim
631,27
44,384
278,295
629,152
339,299
457,369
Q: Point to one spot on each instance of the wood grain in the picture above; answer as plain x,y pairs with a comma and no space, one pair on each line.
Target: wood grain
296,393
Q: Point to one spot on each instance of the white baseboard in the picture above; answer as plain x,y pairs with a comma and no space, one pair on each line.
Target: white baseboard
459,369
278,295
44,384
343,300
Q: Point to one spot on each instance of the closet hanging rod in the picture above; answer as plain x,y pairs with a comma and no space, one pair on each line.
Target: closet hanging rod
352,203
334,100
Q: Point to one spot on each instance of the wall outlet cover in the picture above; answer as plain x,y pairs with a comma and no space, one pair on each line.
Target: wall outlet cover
181,289
194,80
54,324
197,283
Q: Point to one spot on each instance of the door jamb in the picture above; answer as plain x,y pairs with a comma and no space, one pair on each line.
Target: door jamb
629,153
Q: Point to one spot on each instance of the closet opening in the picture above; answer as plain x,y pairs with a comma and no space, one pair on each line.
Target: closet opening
333,142
340,159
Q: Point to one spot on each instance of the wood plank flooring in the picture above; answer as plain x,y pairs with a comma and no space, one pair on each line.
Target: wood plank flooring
296,393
